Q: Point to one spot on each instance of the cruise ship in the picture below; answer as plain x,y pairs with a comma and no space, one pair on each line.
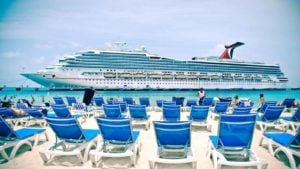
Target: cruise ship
117,68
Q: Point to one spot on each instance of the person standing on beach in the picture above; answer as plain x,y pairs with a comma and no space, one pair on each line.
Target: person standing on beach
261,101
200,95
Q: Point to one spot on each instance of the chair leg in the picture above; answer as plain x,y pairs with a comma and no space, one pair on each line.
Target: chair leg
289,156
261,141
44,157
270,147
151,164
4,154
17,146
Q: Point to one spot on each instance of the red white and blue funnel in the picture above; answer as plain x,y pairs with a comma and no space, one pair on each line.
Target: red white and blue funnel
228,53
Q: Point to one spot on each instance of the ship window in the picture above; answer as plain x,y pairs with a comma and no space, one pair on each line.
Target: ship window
53,76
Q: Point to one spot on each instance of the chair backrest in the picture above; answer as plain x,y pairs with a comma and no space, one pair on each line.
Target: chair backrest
288,102
99,101
168,103
266,104
235,131
58,100
144,101
71,100
272,113
172,133
225,99
6,131
296,116
61,110
66,129
199,113
171,112
22,106
138,111
178,100
112,110
191,102
207,101
33,112
295,142
221,107
159,103
116,130
6,112
241,110
128,100
123,105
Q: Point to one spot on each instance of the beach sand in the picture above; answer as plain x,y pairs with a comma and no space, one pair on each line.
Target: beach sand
32,160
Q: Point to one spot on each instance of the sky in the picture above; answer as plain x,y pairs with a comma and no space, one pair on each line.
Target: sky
34,34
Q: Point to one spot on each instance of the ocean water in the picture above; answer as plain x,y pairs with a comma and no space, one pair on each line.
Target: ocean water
44,95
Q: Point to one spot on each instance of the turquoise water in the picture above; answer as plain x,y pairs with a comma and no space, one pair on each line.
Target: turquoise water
44,95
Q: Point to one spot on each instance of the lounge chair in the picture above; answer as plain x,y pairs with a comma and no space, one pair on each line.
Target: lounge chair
16,139
293,120
139,115
220,108
62,110
207,101
128,100
178,100
35,117
271,118
198,116
123,106
171,112
58,100
288,102
283,142
159,104
21,106
99,101
118,140
10,117
246,104
265,105
241,110
71,100
191,102
71,140
232,145
173,144
145,101
112,110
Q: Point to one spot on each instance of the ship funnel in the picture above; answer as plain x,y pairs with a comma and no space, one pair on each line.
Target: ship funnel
228,53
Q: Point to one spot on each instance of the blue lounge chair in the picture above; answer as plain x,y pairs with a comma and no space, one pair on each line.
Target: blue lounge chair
71,100
35,117
241,110
62,110
225,99
283,142
123,106
266,104
118,140
288,102
171,112
198,116
207,101
128,100
112,110
191,102
138,114
178,100
144,101
232,145
271,118
220,108
99,101
173,143
71,139
10,117
58,100
21,106
24,136
293,120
